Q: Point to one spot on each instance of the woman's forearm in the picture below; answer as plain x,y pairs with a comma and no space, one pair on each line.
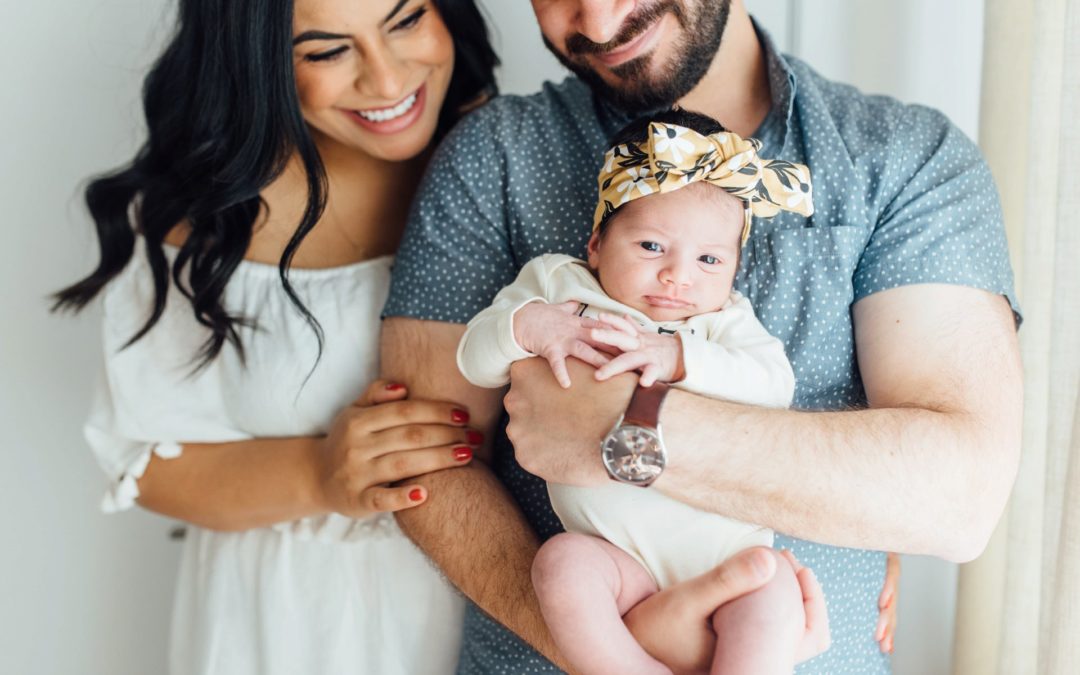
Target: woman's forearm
235,486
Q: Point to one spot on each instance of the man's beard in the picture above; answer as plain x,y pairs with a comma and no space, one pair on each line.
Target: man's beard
637,90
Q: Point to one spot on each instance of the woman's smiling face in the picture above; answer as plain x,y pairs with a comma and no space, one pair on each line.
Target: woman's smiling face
372,75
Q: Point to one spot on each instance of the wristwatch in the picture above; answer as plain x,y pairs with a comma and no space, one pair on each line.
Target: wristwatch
633,451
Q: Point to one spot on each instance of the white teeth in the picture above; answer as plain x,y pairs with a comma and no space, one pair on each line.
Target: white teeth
387,114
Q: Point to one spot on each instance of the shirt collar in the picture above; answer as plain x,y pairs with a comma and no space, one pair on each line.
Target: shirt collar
773,131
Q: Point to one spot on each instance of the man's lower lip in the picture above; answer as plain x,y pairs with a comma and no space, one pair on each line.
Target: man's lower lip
398,124
630,51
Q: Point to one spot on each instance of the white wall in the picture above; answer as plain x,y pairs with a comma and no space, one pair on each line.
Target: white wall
81,593
84,593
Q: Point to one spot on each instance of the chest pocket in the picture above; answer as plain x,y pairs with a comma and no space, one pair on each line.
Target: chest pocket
799,280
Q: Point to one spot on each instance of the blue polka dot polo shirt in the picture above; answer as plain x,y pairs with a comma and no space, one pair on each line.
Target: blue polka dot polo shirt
902,197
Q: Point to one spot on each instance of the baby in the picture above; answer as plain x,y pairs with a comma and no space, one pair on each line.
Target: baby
677,196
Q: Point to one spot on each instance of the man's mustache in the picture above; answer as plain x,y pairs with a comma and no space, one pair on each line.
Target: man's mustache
636,24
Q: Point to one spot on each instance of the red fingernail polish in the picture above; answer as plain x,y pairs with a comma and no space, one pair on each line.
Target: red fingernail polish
416,494
462,454
459,416
474,437
395,387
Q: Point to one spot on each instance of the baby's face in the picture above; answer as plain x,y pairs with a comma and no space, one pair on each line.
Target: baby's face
671,255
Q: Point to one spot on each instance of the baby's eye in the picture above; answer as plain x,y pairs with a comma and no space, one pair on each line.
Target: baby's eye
709,260
651,246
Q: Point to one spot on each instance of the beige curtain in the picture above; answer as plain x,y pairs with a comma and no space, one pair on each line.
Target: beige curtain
1018,610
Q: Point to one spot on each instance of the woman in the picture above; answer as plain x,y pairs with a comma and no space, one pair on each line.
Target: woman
245,256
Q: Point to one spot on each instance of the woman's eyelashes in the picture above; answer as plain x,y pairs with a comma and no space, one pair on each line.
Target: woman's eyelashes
411,20
328,55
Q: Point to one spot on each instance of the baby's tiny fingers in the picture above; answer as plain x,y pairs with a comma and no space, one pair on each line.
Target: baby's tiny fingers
622,323
615,338
584,352
623,363
649,374
570,306
558,369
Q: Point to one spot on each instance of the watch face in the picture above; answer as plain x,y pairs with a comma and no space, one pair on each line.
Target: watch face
633,454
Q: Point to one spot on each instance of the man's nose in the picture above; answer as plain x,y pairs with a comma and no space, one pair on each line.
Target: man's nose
600,20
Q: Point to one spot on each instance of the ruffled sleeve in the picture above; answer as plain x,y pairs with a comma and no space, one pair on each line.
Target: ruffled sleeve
148,396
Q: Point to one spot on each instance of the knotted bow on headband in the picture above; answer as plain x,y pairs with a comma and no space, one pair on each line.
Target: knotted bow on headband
676,156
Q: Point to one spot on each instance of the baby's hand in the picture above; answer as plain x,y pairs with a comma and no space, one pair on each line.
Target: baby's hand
658,357
556,332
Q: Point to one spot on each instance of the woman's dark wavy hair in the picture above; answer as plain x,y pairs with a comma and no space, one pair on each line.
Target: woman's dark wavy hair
223,119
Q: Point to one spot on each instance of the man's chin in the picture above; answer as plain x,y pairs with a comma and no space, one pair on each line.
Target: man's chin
633,93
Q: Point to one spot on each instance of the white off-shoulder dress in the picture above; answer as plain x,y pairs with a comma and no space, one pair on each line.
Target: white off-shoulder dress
321,595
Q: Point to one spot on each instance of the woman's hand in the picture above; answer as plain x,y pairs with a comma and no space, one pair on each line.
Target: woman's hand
556,332
382,440
886,625
658,357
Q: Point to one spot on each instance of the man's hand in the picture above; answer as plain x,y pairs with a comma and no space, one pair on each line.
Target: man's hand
684,611
557,432
886,625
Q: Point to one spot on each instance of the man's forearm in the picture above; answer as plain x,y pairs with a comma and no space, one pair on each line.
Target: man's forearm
910,480
927,468
470,526
472,529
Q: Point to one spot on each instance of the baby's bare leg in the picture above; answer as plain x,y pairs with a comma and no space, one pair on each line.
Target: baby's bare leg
585,585
759,632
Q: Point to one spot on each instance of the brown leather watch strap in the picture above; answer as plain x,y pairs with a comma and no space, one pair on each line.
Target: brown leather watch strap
644,408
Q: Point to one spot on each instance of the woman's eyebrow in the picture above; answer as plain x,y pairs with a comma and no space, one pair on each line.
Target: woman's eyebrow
317,35
393,12
323,35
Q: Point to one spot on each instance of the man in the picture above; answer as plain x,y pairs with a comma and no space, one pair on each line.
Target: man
893,301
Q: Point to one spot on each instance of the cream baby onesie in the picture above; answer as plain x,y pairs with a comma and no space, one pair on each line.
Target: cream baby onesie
727,354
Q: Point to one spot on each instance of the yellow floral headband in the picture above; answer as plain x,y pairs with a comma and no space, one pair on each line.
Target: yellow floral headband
676,156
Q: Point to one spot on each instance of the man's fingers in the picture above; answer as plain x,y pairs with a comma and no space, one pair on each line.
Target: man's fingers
740,574
796,566
892,580
817,615
885,599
